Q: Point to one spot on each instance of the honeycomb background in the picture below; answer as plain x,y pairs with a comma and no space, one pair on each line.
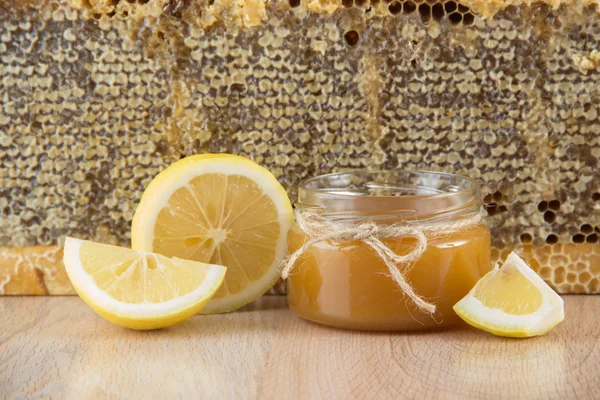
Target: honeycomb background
95,101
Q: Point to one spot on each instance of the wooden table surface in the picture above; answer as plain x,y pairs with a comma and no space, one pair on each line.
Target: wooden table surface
58,348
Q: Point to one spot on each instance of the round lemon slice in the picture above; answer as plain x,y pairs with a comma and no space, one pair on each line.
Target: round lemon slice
219,209
512,301
139,290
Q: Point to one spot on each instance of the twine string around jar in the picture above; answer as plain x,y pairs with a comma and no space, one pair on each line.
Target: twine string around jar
319,229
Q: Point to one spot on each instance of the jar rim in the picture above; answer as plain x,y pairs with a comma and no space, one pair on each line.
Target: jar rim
398,193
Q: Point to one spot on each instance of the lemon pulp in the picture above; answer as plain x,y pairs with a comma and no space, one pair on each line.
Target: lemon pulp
512,301
498,291
218,209
139,290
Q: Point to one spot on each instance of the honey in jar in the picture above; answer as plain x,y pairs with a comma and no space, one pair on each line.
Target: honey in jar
346,284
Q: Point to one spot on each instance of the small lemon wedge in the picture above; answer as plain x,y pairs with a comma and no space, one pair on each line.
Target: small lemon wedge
219,209
512,300
139,290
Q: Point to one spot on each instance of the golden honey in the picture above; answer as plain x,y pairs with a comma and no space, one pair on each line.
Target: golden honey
347,285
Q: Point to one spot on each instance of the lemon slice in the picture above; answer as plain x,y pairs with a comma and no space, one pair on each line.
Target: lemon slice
512,301
139,290
219,209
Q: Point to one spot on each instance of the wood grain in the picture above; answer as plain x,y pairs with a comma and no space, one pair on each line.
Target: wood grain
58,348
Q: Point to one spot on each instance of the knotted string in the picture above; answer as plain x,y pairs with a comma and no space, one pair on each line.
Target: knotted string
320,230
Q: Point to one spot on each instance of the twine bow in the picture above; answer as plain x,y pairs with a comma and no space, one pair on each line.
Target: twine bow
320,230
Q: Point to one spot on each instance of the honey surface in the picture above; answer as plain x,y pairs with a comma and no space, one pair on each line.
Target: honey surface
348,286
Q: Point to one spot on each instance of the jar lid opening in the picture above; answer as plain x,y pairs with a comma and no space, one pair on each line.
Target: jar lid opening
381,194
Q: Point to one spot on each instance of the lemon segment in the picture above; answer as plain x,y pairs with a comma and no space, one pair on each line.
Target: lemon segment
512,301
219,209
139,290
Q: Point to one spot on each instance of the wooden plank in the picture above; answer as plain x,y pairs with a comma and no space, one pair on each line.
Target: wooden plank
57,347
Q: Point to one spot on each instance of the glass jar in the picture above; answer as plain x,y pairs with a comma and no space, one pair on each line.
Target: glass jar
347,285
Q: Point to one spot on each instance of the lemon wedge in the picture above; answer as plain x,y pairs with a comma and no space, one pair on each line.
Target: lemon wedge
219,209
512,300
139,290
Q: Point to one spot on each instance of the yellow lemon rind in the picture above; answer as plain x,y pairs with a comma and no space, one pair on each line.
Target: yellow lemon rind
500,323
138,316
516,330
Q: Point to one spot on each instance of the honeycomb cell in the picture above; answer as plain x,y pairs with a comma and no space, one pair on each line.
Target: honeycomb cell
554,205
552,239
549,217
450,6
559,259
526,238
577,288
558,253
542,206
545,273
586,229
535,265
352,38
578,238
579,266
425,13
559,275
585,277
468,19
455,18
395,8
492,209
408,7
437,11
